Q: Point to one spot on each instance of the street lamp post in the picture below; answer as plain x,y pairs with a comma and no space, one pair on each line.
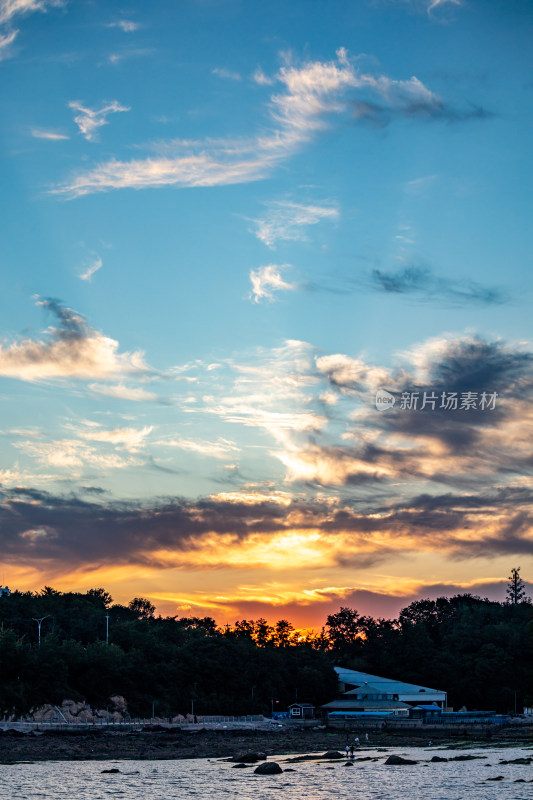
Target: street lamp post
39,623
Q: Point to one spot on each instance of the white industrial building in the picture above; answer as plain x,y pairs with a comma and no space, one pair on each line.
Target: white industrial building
360,692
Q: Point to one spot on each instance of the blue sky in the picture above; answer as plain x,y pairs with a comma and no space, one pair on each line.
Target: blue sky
226,225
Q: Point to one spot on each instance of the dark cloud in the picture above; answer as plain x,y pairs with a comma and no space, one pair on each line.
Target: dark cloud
71,349
72,325
417,283
151,463
478,363
68,532
422,283
429,110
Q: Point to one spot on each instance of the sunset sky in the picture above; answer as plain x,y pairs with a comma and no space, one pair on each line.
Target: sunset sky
225,226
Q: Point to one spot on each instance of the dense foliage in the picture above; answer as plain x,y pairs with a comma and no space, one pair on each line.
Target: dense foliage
479,651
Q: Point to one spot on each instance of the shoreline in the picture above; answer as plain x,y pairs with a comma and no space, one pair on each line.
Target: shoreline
157,745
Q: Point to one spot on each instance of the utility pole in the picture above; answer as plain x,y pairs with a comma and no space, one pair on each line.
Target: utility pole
107,628
39,623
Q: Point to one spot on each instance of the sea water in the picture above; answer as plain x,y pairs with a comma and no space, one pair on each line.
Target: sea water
214,779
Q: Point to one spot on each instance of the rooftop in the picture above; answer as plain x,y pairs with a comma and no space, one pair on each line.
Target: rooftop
386,685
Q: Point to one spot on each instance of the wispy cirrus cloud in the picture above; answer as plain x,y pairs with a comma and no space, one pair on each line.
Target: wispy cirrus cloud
311,94
89,120
426,6
11,9
73,454
227,74
221,448
71,350
53,136
6,40
91,268
267,280
131,439
433,4
125,25
122,392
262,79
15,8
286,221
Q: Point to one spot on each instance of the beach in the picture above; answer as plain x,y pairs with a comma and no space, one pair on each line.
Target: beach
159,743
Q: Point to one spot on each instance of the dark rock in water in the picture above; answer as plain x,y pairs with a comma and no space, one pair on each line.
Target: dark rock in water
399,760
465,758
333,754
497,778
520,780
349,764
112,771
241,765
438,758
249,758
268,768
526,760
289,769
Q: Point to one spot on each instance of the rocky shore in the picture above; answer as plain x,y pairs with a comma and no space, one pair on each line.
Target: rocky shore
173,743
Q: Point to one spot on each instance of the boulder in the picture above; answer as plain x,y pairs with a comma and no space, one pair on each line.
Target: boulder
438,758
249,758
399,760
268,768
465,758
111,771
333,754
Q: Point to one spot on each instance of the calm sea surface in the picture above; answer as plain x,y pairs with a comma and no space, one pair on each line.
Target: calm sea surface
205,779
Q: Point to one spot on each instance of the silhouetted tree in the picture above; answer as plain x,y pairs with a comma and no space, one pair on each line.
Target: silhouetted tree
142,608
516,588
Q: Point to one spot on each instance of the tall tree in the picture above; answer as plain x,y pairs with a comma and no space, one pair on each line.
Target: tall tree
516,588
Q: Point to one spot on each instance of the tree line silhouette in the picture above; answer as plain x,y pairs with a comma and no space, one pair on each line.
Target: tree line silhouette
479,651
